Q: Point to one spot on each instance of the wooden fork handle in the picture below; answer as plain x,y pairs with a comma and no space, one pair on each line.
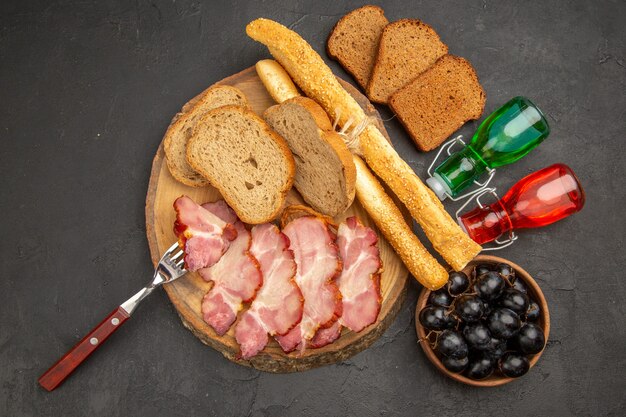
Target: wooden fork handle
66,365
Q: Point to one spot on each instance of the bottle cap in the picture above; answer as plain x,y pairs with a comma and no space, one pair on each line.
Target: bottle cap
460,222
436,185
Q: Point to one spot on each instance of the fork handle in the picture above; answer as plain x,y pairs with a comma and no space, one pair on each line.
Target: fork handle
66,365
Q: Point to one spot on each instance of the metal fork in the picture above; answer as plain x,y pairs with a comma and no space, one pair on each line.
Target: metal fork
170,268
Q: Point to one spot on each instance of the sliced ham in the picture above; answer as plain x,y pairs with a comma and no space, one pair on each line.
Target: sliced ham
222,210
326,336
277,307
236,276
317,259
359,282
204,235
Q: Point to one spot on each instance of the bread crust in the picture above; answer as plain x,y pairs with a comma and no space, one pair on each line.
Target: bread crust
282,145
315,78
349,170
189,110
295,211
316,111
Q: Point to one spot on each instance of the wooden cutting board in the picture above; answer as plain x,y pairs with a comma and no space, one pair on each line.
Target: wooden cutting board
186,293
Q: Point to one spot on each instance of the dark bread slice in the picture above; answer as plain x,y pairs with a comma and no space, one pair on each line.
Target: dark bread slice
439,101
407,48
354,41
249,164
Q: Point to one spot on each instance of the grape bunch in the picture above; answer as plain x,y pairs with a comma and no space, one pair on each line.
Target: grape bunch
483,323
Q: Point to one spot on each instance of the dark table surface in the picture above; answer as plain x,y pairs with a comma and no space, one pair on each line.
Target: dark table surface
87,89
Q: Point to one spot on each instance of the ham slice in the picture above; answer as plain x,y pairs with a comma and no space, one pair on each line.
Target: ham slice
204,235
326,336
317,259
236,276
277,307
359,282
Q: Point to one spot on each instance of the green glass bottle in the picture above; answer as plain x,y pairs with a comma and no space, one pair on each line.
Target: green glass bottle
505,136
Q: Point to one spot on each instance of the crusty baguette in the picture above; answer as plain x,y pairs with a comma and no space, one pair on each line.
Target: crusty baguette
314,77
179,132
390,222
276,80
249,164
447,237
325,172
354,41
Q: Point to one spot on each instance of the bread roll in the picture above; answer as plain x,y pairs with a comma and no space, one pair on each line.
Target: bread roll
276,80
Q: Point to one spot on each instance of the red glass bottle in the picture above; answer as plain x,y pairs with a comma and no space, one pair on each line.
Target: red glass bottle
539,199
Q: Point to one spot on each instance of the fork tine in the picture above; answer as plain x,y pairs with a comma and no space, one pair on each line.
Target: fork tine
171,249
171,265
174,258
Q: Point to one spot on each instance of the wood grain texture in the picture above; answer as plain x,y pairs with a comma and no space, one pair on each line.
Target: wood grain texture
186,293
496,379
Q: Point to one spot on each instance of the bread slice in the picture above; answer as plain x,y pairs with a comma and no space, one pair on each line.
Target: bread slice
354,41
241,156
439,101
407,48
325,172
180,130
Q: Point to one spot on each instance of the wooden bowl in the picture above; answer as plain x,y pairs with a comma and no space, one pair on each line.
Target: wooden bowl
496,378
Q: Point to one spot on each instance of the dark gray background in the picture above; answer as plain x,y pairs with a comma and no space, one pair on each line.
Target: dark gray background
87,89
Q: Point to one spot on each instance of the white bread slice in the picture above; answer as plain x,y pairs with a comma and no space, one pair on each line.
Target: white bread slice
241,156
180,130
325,172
